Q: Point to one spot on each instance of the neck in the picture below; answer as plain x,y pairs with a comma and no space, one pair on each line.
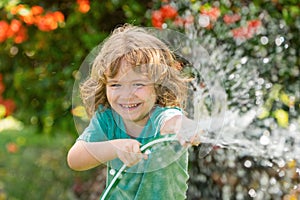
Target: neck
133,129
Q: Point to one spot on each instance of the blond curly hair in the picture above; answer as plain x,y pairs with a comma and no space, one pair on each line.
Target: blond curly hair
146,54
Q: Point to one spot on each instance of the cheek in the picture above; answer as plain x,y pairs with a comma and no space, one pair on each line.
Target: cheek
147,94
109,95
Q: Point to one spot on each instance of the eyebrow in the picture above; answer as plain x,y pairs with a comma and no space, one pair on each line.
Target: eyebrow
135,80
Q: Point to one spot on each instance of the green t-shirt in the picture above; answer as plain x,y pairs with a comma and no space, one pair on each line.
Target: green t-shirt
162,176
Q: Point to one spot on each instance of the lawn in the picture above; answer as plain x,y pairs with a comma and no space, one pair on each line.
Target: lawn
33,166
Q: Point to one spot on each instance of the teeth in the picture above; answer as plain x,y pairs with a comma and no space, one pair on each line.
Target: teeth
130,105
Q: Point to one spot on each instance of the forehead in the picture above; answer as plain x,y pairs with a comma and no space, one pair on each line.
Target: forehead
124,67
127,72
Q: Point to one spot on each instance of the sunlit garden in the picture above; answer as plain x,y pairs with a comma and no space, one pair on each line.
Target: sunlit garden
253,50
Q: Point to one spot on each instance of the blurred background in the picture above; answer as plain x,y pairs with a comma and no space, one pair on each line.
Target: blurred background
254,47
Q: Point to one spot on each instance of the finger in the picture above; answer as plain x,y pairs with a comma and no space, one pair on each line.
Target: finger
145,156
136,148
127,157
137,151
134,158
133,161
195,140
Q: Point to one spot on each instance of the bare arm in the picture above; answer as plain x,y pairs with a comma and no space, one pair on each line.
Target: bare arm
187,130
86,155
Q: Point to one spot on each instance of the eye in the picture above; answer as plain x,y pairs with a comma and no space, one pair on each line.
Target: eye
138,85
114,85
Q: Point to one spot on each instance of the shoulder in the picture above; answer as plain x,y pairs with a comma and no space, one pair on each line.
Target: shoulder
169,118
172,125
166,112
102,117
103,112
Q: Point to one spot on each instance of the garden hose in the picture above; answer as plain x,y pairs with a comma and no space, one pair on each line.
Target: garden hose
143,148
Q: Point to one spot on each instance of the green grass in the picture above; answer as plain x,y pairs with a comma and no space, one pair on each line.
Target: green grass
37,168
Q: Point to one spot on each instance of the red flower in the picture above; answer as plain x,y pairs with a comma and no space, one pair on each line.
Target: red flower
241,33
254,24
15,10
29,17
189,20
230,19
168,12
21,35
181,22
157,19
84,6
58,16
37,10
212,12
248,31
15,26
4,26
12,147
13,30
9,105
49,21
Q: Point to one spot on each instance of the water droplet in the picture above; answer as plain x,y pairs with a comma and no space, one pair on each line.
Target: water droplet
164,25
244,60
203,20
252,193
264,40
14,50
279,41
273,181
281,174
260,81
268,85
248,163
264,140
266,60
231,77
281,163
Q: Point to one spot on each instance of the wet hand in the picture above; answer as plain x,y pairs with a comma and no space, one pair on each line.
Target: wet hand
128,151
190,134
192,140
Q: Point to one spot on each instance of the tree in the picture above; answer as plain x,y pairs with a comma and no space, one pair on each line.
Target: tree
42,46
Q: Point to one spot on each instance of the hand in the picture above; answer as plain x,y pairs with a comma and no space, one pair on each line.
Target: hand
189,133
128,151
193,140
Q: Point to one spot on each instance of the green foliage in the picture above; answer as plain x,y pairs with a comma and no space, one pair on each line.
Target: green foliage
33,166
40,71
254,53
258,58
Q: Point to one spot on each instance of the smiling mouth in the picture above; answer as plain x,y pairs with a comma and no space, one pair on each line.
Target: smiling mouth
130,106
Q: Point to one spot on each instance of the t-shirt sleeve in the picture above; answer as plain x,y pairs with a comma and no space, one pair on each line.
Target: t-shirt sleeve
97,129
163,114
172,112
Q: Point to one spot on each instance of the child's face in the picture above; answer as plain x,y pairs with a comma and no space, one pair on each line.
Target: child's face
131,95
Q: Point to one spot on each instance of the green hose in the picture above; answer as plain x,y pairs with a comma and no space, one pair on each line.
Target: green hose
143,148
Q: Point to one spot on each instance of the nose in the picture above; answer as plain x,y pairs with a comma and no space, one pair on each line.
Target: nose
128,91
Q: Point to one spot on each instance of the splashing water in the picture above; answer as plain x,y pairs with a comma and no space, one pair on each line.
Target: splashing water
219,100
253,159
